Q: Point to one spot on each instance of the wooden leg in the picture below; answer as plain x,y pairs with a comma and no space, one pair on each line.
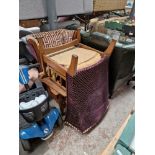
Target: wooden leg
110,49
73,65
62,104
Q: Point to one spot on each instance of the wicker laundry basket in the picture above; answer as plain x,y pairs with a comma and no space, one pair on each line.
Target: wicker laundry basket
107,5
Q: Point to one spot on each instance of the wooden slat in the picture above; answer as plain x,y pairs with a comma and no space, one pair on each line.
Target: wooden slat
107,52
63,46
54,91
55,66
30,23
110,148
90,48
50,83
32,41
56,73
61,51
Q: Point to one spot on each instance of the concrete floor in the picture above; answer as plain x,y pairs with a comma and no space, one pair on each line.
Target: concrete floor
70,142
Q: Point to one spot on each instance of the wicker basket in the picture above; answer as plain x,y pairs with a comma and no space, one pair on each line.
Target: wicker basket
108,5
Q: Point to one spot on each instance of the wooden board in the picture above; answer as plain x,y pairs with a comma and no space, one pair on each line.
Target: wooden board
53,85
110,148
30,23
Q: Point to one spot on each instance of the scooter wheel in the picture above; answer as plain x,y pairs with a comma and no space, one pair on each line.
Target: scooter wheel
60,122
128,83
26,144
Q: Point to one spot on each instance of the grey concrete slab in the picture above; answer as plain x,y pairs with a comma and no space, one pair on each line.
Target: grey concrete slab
70,142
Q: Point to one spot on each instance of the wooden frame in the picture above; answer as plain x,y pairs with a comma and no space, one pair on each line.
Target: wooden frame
48,65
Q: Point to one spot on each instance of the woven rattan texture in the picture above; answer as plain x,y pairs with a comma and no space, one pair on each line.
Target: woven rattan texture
87,96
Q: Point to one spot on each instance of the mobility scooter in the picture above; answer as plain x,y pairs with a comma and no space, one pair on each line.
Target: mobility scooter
37,118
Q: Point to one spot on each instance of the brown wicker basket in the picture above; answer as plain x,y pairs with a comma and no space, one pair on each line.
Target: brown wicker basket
108,5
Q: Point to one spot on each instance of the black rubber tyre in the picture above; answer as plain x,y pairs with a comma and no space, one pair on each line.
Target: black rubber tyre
60,122
26,145
128,83
110,96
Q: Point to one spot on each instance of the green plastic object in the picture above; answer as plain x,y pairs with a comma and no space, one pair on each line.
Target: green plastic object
128,134
120,150
114,25
125,144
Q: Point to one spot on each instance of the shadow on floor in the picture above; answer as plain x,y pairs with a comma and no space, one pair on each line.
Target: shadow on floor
39,148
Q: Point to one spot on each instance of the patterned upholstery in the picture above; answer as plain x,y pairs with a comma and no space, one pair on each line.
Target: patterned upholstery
87,96
67,36
54,38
